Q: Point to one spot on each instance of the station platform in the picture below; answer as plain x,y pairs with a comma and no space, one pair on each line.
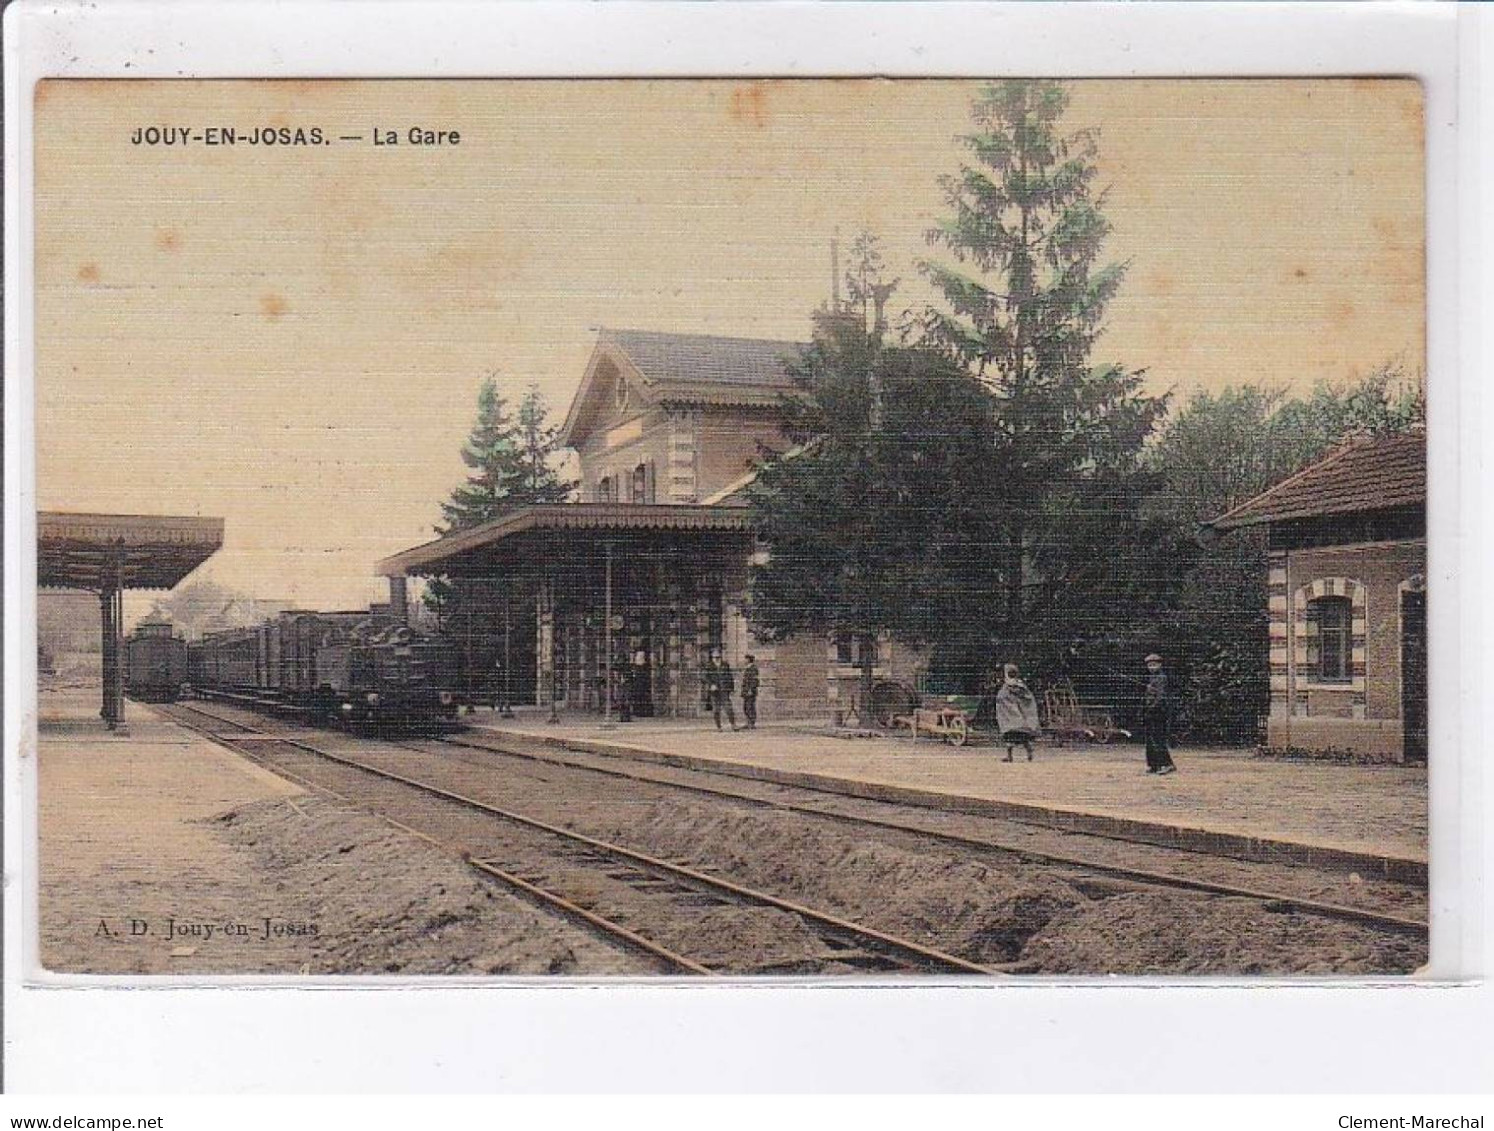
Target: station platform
125,841
1366,819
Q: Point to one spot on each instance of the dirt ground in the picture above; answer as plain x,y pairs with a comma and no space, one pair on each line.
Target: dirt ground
1160,933
1045,921
303,886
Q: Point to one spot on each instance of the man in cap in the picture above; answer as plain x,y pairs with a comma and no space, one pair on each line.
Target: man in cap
1156,718
720,683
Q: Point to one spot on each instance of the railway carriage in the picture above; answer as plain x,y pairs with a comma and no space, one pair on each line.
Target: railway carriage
155,663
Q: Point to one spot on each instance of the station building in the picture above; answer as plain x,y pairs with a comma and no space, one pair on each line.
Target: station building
646,575
1347,600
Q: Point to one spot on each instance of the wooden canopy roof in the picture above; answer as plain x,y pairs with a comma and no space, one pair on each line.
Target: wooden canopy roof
80,551
563,531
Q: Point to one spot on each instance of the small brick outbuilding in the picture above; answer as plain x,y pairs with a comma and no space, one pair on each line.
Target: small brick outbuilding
1347,600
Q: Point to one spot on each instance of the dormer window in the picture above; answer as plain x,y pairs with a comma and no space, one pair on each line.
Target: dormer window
620,393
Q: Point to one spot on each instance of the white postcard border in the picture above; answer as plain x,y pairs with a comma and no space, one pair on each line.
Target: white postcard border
1113,1037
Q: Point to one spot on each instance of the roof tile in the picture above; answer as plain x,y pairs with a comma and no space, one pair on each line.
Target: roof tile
1364,474
701,359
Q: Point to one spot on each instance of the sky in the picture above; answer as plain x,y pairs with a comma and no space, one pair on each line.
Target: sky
293,337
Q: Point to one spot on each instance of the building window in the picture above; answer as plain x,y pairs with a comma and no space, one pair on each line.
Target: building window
848,649
640,485
604,489
1329,636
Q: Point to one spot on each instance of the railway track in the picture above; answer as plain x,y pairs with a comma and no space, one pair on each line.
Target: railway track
1397,924
609,887
1142,878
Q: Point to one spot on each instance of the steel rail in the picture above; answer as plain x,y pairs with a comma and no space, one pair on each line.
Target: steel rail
1390,923
858,932
566,906
1394,924
550,899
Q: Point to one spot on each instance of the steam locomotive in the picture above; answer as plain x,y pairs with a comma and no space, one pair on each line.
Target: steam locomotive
359,668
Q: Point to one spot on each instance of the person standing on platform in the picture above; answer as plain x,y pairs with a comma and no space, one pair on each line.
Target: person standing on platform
719,685
750,680
1016,714
708,683
726,684
1156,718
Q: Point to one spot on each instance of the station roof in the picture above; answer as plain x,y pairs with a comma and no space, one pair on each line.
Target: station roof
517,535
153,551
683,369
1368,473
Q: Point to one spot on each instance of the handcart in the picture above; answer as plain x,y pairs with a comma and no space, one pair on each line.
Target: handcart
1069,720
949,719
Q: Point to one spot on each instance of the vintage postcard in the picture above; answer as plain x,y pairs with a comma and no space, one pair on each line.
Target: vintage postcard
682,528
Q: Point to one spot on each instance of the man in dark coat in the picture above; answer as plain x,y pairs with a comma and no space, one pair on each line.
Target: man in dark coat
1156,718
721,683
750,680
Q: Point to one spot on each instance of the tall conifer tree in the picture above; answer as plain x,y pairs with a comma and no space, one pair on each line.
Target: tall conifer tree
1026,298
511,462
538,446
493,455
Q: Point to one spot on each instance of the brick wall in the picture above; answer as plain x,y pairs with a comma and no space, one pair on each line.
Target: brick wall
793,685
1362,715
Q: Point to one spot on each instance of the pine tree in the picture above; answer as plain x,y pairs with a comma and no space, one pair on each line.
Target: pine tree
1026,299
494,455
538,444
512,465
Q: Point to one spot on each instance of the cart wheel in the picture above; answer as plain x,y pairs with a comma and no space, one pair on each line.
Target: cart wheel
959,732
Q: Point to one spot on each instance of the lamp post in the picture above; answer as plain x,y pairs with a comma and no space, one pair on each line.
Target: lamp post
550,644
607,637
508,710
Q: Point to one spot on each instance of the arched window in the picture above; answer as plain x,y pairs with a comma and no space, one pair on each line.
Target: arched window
604,489
640,484
1329,639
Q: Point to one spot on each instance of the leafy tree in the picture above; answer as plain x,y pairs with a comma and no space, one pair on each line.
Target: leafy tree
1026,298
886,452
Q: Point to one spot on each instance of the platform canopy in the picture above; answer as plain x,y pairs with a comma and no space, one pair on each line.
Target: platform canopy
109,553
556,533
131,551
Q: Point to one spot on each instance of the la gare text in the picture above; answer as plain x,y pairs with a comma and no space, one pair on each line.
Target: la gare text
289,137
